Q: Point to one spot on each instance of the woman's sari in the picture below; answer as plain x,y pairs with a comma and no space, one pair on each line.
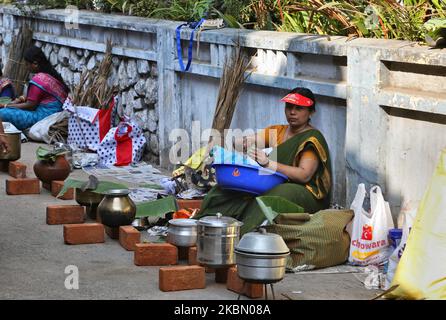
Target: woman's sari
6,88
48,92
312,197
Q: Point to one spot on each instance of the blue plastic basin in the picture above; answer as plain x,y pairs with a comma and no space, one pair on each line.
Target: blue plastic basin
247,178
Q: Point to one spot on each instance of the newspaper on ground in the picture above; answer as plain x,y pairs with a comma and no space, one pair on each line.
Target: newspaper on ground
137,174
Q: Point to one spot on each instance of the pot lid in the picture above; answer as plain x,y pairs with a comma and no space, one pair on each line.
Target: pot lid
219,221
183,222
262,242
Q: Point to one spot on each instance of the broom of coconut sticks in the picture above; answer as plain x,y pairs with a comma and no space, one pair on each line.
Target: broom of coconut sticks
234,75
15,69
93,89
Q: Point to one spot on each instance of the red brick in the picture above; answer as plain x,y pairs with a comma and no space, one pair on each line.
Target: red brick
155,254
234,283
129,237
83,233
4,165
56,186
17,169
182,278
221,275
22,186
192,256
65,214
189,204
113,233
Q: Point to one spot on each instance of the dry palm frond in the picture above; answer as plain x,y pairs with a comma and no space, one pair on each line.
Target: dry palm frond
93,89
15,68
231,82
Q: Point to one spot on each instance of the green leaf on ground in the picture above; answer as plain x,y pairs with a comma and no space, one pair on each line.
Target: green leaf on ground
156,208
272,206
103,186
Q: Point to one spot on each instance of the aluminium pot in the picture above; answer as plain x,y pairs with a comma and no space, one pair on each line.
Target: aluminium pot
261,257
217,237
15,145
182,232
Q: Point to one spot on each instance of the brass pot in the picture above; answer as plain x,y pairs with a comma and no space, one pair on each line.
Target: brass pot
15,146
90,200
117,209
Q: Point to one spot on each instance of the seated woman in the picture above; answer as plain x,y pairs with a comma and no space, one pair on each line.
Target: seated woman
46,93
6,87
302,155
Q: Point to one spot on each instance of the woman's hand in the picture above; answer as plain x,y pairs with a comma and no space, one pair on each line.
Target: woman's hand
259,156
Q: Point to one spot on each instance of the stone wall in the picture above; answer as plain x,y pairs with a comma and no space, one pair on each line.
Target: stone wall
136,80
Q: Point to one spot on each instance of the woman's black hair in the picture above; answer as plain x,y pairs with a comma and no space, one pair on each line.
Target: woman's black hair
306,93
35,54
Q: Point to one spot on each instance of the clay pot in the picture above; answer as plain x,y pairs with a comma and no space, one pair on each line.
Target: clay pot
47,170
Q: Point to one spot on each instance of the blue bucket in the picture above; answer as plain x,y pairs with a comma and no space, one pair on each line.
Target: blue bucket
247,178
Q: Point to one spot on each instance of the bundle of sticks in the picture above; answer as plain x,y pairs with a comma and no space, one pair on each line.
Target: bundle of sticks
234,75
15,68
93,90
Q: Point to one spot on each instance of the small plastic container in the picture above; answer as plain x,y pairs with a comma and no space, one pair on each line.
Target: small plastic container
395,236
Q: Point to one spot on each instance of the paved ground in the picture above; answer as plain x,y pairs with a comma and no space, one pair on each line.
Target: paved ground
33,258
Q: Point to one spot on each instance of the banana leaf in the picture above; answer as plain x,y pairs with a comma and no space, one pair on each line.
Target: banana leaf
45,154
152,186
272,206
102,186
156,208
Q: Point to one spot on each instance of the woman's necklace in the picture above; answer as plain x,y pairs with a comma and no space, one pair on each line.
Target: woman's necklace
288,134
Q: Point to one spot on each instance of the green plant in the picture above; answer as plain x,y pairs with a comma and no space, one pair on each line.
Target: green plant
185,10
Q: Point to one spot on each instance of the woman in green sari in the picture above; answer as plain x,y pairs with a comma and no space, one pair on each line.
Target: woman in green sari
300,152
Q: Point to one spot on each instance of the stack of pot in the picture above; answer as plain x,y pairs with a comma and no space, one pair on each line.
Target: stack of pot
217,237
261,257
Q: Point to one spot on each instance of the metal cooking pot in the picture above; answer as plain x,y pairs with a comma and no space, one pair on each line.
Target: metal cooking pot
117,209
182,232
261,257
15,146
217,237
90,200
140,223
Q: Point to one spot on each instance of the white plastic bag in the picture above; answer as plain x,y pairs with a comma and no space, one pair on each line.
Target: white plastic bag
369,242
39,131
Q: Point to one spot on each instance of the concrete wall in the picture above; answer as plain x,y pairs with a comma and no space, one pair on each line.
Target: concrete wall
381,103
